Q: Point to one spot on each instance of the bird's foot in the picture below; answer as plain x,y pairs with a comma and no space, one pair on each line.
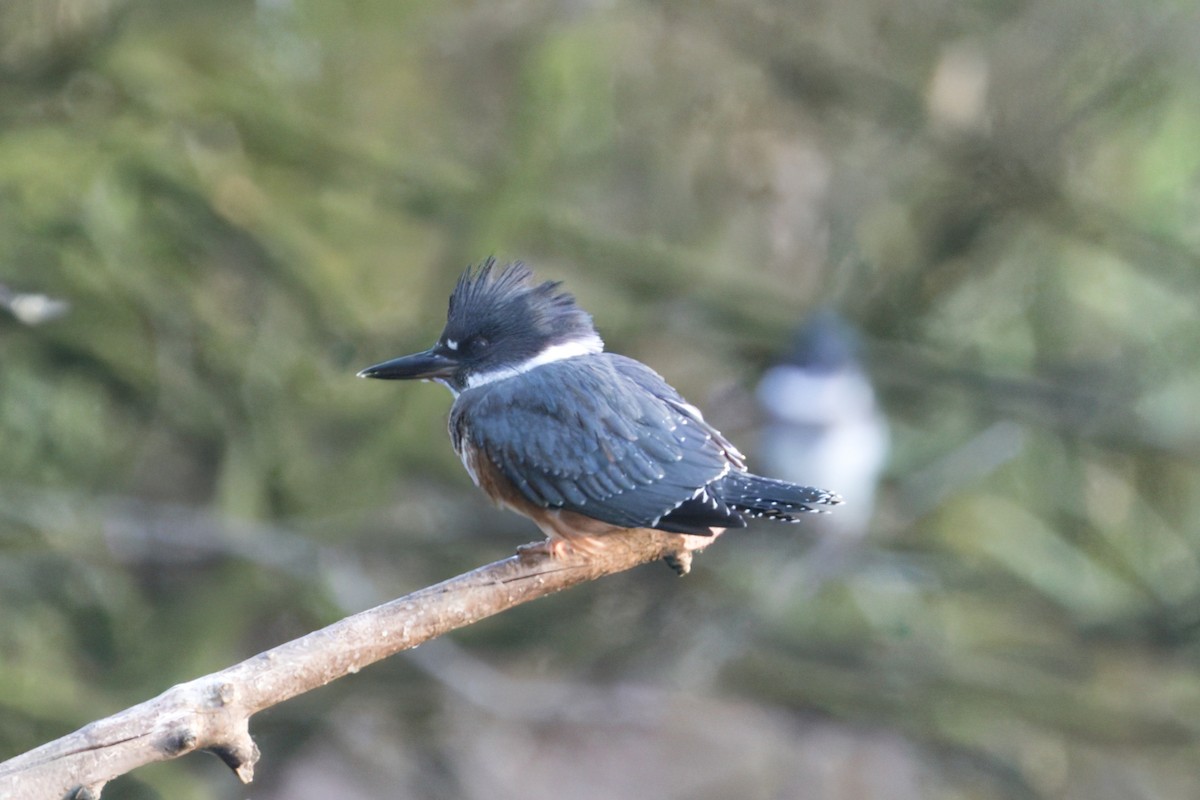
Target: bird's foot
566,550
677,554
557,549
688,545
681,562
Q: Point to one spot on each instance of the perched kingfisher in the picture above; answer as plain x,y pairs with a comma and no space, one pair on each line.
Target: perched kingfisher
581,441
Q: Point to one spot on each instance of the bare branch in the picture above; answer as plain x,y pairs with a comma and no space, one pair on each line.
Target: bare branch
213,712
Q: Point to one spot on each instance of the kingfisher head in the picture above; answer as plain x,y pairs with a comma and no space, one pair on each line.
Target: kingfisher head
500,324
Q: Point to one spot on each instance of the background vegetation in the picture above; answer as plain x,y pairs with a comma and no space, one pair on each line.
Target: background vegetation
243,203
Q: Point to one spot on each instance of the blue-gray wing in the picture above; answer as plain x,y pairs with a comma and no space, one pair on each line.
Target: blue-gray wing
604,436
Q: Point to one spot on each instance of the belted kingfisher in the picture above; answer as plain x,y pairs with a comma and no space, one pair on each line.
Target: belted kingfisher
823,421
581,441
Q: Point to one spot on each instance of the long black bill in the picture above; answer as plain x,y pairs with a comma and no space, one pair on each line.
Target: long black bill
426,365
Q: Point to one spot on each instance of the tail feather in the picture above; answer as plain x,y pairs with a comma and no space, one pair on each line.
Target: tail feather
767,498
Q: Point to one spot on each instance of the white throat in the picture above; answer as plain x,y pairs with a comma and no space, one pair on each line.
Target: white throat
555,352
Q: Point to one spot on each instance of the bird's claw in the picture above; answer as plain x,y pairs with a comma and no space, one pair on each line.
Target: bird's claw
681,562
557,549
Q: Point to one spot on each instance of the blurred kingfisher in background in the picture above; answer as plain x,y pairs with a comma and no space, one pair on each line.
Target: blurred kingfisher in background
822,419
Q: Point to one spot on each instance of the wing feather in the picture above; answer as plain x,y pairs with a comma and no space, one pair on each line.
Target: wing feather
604,436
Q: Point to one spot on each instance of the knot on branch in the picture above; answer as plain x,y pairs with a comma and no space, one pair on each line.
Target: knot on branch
222,694
179,741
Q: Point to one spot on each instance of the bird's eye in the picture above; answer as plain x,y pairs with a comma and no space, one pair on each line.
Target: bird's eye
477,343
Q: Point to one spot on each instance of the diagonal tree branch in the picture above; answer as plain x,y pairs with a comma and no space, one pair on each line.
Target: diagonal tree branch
213,712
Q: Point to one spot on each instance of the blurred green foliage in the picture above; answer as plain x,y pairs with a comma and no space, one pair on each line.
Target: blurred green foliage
244,203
